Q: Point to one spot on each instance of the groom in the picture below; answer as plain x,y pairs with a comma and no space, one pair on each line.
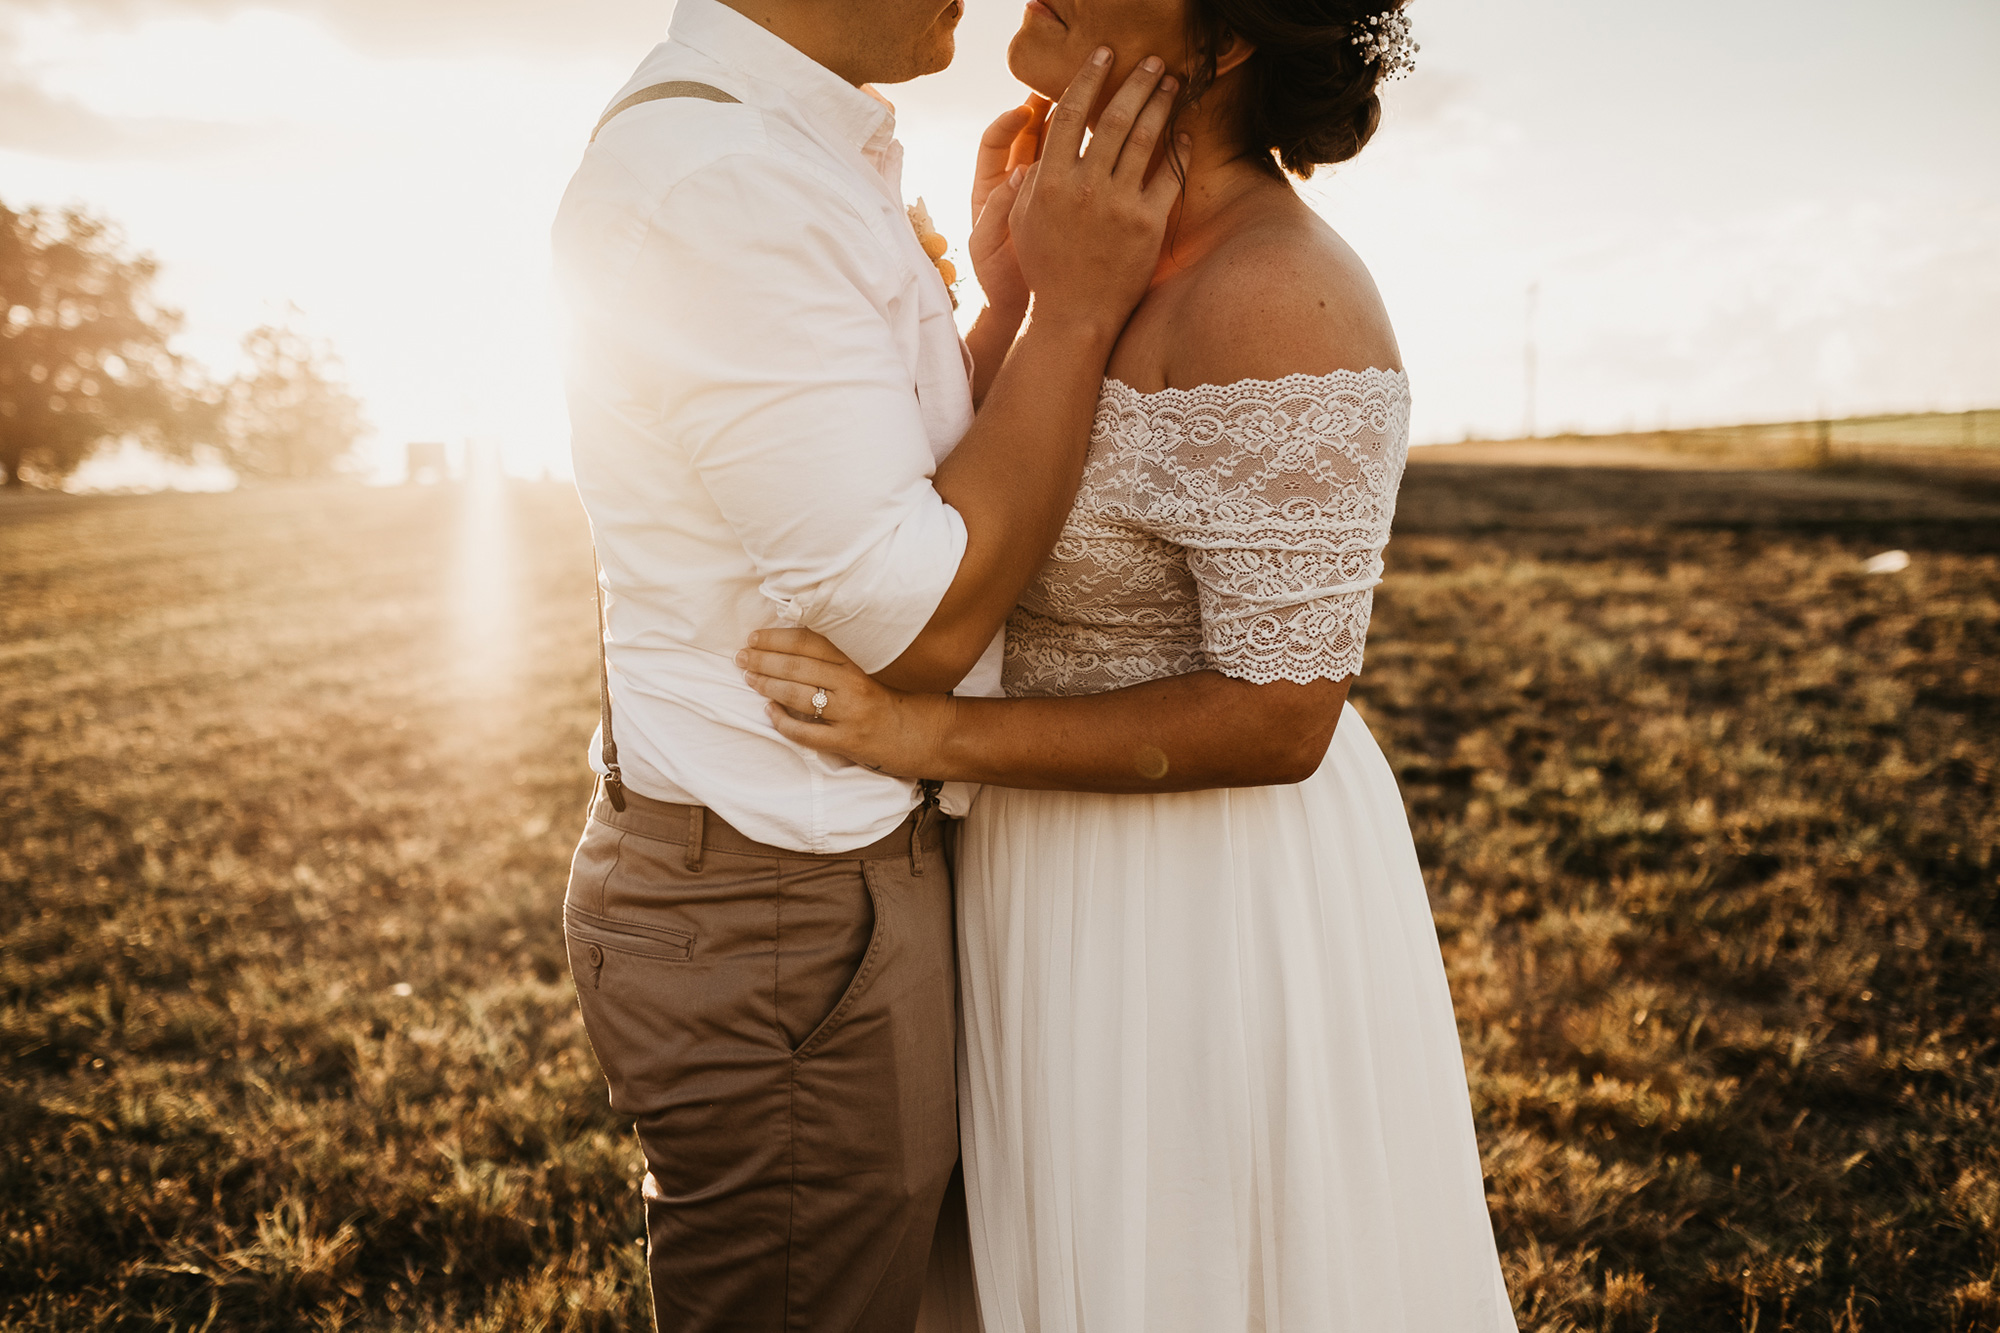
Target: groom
773,424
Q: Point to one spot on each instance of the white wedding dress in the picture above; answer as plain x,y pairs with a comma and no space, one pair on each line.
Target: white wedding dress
1211,1082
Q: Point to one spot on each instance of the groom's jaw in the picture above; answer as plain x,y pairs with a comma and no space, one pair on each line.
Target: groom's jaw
935,45
863,41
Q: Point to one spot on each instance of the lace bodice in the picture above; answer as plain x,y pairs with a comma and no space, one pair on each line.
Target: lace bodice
1236,528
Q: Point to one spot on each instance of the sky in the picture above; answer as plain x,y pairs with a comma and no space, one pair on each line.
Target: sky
1727,210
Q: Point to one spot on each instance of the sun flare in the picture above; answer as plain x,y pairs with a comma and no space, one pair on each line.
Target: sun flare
1780,255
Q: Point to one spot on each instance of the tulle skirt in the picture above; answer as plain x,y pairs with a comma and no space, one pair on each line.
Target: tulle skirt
1210,1080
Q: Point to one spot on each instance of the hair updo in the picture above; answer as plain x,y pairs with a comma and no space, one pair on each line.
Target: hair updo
1308,92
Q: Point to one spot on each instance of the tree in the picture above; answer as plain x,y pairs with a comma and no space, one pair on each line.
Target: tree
290,416
84,350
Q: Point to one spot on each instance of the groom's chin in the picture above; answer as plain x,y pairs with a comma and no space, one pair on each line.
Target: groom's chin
943,43
942,54
933,52
931,58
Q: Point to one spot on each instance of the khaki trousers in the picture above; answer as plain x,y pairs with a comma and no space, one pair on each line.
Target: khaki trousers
781,1028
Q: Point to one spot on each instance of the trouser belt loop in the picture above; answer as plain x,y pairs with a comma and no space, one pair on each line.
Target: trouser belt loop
697,830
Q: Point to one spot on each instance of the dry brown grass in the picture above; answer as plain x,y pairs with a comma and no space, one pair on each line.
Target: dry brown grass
1709,818
1710,826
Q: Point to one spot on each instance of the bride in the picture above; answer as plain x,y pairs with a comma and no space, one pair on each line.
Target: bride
1210,1078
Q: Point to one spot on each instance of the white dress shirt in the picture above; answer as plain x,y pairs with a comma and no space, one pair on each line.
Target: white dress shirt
764,374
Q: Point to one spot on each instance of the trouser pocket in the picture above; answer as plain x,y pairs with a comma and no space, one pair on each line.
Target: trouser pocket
780,1031
829,928
593,938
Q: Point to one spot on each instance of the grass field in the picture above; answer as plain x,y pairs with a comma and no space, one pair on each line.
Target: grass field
291,776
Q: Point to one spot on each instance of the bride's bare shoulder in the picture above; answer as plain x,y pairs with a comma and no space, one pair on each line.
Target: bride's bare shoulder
1284,296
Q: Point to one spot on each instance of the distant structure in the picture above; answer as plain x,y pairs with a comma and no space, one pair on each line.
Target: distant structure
426,463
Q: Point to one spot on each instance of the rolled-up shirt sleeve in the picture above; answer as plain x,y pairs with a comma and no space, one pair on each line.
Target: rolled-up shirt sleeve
757,348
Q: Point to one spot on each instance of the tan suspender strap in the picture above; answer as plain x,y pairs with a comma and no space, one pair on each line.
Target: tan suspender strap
660,92
614,780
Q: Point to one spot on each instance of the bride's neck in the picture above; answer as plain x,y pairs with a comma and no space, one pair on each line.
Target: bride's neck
1221,184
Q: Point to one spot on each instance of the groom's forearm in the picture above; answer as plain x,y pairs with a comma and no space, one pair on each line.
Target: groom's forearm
1012,480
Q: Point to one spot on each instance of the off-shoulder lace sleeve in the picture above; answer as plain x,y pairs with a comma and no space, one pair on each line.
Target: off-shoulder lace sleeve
1282,493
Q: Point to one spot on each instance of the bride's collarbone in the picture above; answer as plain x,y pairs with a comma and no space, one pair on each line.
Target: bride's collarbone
1263,303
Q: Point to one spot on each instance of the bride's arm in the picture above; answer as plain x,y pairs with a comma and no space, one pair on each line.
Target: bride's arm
1302,304
1187,733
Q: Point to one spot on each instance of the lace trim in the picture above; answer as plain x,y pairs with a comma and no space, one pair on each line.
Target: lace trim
1237,527
1319,640
1333,379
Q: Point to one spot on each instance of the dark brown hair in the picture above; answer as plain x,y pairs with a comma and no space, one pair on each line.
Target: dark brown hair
1308,93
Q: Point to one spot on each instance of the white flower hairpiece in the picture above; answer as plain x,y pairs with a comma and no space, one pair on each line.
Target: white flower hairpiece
1384,39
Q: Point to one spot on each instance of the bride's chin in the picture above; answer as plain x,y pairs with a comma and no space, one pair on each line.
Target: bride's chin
1031,68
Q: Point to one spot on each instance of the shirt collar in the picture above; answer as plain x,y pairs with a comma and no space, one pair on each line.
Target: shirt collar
861,116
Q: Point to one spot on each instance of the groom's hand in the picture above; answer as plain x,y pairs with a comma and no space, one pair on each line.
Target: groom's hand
1088,224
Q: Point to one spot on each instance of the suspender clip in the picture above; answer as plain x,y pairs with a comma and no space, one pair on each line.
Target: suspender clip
925,813
614,781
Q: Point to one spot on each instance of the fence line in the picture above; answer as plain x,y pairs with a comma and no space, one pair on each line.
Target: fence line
1973,437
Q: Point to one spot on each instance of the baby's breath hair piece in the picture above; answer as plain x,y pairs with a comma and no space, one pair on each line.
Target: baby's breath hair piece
1384,40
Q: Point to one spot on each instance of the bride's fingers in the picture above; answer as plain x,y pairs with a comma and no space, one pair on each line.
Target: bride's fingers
786,693
1069,120
1000,138
1137,155
802,642
812,735
1028,145
996,153
990,227
1005,129
813,672
1023,189
1121,114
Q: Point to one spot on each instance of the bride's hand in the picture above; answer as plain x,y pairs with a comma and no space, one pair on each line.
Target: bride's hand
1014,140
877,727
1088,219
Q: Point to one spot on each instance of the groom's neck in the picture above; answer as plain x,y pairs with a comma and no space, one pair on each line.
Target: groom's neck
834,35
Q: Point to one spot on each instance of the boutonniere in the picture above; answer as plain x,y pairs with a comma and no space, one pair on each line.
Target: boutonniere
935,246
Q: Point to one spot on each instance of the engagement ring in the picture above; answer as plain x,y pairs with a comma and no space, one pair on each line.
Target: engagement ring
820,700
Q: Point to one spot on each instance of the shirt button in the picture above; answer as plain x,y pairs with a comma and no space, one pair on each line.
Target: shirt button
596,956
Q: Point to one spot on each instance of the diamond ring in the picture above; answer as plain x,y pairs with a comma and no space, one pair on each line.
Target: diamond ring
820,700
